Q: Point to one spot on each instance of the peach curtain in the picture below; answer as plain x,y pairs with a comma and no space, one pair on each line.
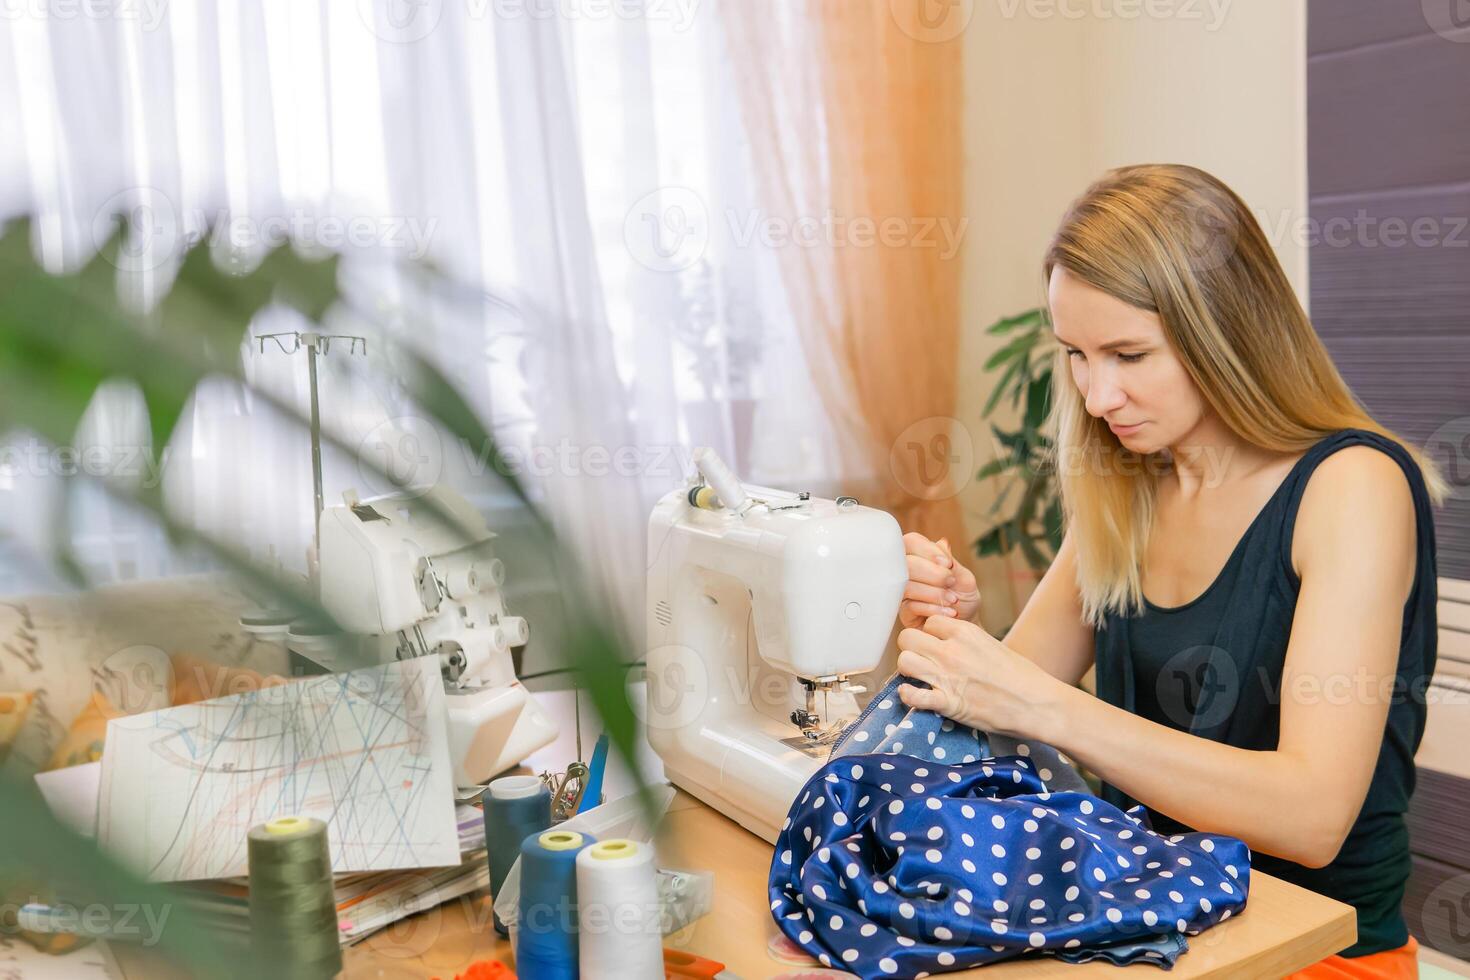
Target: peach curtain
853,109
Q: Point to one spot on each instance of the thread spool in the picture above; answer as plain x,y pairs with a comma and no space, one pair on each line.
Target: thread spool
546,933
618,912
293,911
515,808
704,497
517,630
494,570
461,583
722,479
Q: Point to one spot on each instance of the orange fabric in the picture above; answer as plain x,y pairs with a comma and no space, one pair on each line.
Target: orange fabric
486,970
1391,964
193,679
196,679
15,708
82,742
853,109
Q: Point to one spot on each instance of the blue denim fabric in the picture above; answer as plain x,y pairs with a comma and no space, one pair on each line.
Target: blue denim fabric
891,866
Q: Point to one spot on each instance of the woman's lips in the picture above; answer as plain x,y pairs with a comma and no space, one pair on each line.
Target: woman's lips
1126,430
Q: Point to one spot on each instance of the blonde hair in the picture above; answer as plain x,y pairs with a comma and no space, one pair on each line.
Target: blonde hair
1175,241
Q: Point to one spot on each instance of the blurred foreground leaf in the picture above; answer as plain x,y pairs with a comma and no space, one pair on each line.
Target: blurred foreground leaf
62,337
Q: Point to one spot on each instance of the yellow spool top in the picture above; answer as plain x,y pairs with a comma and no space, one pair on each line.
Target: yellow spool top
616,848
285,825
560,840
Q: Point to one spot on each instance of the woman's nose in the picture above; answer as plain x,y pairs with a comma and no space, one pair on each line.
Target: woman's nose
1103,396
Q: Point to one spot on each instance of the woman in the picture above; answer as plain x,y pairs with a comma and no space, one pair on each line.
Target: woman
1248,561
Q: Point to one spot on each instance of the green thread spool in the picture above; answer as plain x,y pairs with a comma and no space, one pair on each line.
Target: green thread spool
293,909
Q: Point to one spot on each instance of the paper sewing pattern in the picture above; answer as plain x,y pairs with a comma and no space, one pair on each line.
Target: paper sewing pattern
365,751
71,793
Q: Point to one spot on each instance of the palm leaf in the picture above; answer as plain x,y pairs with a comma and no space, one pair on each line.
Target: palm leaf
61,337
1036,519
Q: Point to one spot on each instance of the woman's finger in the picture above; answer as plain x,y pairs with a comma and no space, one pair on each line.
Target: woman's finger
918,697
964,578
918,667
918,612
915,543
928,593
945,629
920,642
928,572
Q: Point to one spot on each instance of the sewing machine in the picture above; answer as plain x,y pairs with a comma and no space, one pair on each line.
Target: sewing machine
761,605
408,585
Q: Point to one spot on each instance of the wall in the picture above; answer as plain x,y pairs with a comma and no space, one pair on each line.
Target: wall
1391,249
1057,92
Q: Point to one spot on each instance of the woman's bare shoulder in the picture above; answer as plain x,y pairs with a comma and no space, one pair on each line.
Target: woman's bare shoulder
1357,499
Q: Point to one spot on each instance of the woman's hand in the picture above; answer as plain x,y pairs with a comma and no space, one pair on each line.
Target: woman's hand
977,680
938,585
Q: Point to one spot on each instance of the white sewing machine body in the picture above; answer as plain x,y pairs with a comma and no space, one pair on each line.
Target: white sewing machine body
405,584
742,608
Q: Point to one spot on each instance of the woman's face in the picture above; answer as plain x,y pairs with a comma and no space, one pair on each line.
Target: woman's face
1123,366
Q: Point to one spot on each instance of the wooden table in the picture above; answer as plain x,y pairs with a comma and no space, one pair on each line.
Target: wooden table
1283,927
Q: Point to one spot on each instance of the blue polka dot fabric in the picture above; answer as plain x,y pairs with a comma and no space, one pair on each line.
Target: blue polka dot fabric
893,866
889,726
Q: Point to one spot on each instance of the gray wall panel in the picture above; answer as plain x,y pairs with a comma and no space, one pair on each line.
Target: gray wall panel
1338,26
1387,116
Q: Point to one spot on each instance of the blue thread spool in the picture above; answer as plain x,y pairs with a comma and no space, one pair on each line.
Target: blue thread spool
546,935
515,808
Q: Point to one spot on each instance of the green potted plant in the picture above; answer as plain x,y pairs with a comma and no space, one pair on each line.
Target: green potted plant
1027,510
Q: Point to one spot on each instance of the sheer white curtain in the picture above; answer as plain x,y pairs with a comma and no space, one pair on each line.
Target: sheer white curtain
578,170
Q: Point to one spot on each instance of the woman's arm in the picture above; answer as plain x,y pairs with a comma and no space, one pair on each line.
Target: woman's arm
1355,554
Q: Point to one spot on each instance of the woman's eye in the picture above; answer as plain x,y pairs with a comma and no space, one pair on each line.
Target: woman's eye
1125,358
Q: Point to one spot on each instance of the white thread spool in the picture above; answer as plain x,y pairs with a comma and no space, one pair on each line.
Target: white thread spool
618,912
462,582
494,571
516,630
722,479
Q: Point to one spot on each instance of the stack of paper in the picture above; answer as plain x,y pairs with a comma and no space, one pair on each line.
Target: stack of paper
366,902
178,789
364,751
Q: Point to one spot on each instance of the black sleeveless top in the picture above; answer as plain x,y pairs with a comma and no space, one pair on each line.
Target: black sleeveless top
1213,667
